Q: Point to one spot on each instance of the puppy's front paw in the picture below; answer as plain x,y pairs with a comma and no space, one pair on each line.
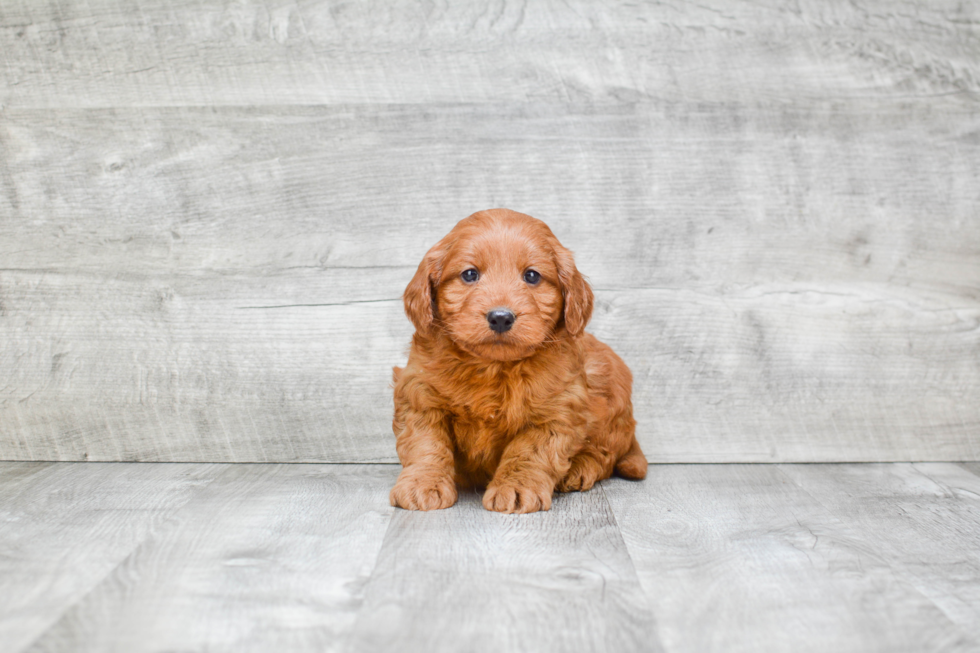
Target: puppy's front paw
425,489
508,496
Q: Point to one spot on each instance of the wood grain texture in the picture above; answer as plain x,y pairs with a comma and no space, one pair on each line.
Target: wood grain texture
203,557
647,194
211,211
971,467
465,579
170,369
266,557
924,517
740,558
174,369
65,527
208,53
169,326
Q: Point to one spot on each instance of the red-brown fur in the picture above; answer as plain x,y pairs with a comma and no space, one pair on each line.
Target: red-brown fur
541,407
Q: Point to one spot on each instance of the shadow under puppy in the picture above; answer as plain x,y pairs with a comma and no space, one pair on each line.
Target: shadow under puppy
503,389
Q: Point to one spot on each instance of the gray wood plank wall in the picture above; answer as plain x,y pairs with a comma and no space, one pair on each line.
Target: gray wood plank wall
208,213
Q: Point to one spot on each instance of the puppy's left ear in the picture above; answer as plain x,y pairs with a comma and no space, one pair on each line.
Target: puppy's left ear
575,291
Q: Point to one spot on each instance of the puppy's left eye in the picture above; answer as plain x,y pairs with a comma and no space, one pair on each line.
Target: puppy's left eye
532,277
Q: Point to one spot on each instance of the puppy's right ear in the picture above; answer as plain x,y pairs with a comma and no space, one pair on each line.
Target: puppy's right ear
420,294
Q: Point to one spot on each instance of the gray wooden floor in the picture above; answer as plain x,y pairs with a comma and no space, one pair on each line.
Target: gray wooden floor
225,557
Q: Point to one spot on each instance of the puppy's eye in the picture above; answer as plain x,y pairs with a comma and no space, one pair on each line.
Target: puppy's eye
470,276
532,277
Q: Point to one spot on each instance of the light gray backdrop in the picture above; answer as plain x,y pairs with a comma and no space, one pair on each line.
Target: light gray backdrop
209,210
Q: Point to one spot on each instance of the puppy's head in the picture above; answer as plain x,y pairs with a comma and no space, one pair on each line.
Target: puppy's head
500,285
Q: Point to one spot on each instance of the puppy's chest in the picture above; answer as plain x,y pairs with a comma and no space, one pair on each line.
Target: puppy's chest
482,427
498,409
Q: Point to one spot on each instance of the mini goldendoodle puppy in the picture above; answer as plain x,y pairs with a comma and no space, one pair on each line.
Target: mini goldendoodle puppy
503,389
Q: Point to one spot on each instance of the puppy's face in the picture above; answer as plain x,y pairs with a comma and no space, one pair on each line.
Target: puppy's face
500,285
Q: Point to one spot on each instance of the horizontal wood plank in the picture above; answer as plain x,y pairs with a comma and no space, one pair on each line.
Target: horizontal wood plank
209,53
658,194
175,368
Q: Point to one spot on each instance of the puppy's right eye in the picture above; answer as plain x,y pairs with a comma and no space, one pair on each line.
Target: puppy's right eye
470,276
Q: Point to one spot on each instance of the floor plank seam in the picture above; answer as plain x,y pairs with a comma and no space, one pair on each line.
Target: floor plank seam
167,523
647,607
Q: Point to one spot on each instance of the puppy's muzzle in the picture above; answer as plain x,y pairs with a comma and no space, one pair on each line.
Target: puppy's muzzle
501,319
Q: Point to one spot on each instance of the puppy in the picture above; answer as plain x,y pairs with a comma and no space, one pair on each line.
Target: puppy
503,390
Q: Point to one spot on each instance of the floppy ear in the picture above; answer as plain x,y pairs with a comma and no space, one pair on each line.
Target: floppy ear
575,291
420,294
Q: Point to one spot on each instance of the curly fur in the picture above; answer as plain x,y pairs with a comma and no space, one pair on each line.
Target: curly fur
541,407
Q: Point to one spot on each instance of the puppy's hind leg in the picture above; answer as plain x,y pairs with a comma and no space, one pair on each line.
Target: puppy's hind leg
588,466
596,463
633,465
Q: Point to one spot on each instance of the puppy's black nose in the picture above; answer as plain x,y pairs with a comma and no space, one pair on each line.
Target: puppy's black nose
501,319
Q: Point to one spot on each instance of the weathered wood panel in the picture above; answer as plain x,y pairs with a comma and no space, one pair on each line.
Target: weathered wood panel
264,558
67,526
206,307
739,558
169,368
466,579
655,194
209,53
174,368
925,518
778,209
